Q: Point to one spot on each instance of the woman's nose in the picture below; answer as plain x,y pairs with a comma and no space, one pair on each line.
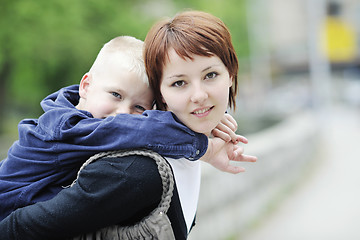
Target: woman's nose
199,94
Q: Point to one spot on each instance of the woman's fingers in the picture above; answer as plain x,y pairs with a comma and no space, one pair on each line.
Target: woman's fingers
234,169
239,156
221,134
226,133
229,121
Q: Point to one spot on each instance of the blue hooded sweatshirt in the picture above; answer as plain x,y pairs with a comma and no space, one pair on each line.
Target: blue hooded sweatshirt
51,149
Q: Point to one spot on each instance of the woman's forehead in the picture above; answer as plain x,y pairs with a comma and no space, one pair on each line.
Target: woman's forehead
177,65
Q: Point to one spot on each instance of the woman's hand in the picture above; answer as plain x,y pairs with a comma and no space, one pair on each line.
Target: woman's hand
220,153
226,130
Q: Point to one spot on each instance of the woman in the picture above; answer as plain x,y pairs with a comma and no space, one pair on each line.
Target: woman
192,69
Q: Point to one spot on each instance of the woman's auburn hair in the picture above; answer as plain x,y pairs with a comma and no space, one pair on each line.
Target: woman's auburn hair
188,33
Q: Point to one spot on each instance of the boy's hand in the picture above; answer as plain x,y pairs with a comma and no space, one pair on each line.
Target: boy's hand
220,153
226,130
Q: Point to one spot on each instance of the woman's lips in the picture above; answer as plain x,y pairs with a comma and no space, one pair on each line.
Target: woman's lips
201,112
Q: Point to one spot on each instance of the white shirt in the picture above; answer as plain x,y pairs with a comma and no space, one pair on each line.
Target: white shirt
187,176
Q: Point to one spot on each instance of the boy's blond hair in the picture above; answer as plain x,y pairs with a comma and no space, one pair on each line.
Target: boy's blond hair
126,51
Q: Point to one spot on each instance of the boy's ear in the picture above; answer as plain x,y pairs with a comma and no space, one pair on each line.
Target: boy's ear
84,85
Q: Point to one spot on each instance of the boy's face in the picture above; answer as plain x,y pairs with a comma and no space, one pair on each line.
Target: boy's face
114,90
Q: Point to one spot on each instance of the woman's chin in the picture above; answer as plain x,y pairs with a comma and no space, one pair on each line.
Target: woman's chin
203,129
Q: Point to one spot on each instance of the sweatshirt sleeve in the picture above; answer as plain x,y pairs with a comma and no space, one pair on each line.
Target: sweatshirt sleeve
159,131
109,191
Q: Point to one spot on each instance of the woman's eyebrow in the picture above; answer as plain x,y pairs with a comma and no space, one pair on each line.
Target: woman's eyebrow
209,67
176,76
204,70
183,75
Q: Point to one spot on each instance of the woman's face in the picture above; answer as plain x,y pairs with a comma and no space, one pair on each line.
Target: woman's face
196,91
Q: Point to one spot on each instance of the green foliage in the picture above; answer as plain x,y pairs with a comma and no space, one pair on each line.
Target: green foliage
51,44
45,45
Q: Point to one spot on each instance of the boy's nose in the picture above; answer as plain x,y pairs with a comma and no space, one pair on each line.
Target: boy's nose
123,109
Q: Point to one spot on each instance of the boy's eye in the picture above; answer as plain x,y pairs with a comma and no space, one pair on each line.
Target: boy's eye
211,75
140,108
117,95
179,83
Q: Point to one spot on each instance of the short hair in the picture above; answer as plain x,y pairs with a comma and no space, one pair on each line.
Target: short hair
188,33
127,51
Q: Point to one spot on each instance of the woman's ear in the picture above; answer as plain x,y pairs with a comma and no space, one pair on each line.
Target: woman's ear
164,103
84,85
230,81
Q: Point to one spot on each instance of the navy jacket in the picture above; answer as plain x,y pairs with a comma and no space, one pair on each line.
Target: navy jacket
108,191
51,149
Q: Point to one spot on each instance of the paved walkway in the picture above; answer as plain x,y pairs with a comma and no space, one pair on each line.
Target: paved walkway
327,205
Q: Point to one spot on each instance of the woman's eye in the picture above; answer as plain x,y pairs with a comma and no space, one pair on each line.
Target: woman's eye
211,75
178,83
115,94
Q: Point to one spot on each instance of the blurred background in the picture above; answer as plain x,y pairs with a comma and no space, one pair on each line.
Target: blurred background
298,101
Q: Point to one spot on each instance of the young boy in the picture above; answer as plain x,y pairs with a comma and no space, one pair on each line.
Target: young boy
79,121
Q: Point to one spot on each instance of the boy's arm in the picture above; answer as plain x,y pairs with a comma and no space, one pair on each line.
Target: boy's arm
155,130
